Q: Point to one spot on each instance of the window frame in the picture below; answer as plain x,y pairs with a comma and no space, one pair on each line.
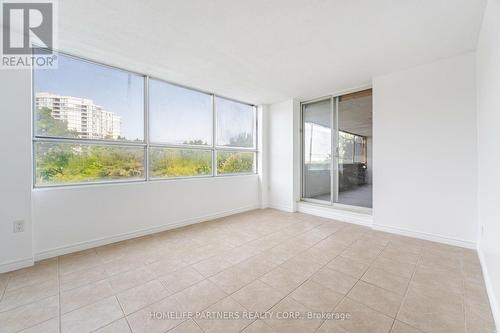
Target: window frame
146,143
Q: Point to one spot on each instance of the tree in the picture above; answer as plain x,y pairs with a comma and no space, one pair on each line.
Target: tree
46,124
234,162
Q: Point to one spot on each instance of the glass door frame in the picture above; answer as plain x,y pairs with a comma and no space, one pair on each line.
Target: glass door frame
334,167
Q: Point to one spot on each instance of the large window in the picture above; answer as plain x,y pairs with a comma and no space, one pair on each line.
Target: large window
94,123
178,115
236,137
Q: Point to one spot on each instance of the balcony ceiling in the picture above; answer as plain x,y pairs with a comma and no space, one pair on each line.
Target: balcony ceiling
264,51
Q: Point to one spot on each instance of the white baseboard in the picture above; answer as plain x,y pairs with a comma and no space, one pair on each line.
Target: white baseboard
16,264
425,236
45,254
367,220
495,307
336,214
281,206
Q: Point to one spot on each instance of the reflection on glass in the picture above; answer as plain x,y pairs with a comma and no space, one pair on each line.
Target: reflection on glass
60,163
172,162
354,166
80,99
179,115
235,123
317,128
229,162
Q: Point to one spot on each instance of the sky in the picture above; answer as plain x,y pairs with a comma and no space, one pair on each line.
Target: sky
115,90
177,114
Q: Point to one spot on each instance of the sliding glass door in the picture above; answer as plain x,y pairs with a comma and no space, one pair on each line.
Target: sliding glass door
336,148
317,147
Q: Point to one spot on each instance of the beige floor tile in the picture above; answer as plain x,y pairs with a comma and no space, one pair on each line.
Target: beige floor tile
400,327
28,294
299,321
230,280
440,261
350,267
41,275
442,298
322,254
166,266
253,268
181,279
156,318
278,254
87,294
362,319
189,326
241,253
40,268
111,252
29,315
199,253
379,299
211,266
123,265
224,316
386,280
138,297
398,268
400,255
478,318
258,326
301,265
283,280
258,296
448,281
119,326
91,317
199,297
431,314
476,293
334,280
130,279
360,255
331,326
49,326
316,297
82,277
262,259
78,261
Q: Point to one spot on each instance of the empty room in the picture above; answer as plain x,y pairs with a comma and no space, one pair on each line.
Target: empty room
219,166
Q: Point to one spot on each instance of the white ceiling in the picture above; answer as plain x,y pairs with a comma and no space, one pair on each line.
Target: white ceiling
263,51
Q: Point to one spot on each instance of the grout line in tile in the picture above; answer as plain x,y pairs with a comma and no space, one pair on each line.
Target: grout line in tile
408,288
347,293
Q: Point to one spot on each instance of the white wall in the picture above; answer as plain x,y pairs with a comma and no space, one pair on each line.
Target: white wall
488,125
424,125
15,175
74,216
284,158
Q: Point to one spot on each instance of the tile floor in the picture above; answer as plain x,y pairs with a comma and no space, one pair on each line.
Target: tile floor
285,267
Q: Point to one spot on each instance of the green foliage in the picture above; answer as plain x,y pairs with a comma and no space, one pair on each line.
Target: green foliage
47,125
68,163
58,163
234,162
180,162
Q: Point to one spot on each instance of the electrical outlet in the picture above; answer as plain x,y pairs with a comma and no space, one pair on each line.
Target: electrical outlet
482,231
19,226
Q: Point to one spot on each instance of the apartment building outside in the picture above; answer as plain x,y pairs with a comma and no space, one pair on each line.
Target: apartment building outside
82,115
